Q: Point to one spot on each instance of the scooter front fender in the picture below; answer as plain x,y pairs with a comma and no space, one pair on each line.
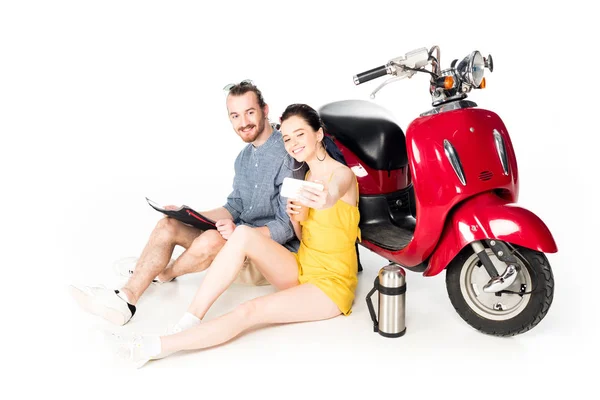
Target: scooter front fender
487,216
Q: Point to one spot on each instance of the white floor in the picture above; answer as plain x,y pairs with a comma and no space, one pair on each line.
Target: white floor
439,353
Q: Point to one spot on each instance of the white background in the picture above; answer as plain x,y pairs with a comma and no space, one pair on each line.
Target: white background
104,103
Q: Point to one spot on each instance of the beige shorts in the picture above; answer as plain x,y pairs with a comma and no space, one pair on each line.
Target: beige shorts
250,275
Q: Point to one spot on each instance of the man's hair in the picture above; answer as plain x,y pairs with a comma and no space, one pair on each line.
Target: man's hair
244,87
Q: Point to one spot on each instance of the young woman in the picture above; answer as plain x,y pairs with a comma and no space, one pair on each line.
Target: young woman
316,283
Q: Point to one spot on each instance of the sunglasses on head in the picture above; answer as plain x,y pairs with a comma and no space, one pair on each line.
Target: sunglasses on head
245,82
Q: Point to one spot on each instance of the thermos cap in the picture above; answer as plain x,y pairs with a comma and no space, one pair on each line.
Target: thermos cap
392,276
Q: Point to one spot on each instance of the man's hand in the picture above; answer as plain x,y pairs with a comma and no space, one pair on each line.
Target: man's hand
225,227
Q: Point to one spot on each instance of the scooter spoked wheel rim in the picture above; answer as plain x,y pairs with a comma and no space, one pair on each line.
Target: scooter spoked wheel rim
473,277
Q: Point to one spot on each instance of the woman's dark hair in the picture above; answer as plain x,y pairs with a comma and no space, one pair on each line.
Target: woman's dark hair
312,118
306,112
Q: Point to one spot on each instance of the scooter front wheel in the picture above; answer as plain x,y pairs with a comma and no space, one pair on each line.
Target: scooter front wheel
514,310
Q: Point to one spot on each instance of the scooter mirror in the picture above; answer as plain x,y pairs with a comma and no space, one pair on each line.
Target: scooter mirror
489,63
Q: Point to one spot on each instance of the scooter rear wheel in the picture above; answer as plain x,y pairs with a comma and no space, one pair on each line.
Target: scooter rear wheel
521,307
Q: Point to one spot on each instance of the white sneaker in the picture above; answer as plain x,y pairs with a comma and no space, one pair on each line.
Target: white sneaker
130,349
125,267
103,302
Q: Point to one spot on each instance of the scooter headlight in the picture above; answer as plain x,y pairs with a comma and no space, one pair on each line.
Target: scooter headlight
471,68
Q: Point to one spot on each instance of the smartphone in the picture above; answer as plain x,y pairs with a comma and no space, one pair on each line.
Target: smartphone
291,187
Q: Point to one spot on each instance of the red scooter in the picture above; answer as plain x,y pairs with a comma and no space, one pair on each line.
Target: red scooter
441,197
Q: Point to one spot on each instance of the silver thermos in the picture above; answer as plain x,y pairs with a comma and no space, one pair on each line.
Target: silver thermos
391,285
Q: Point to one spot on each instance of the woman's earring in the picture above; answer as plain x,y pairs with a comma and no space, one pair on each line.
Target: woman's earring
324,148
291,169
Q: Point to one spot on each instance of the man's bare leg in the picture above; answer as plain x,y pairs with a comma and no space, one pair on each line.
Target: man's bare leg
118,306
196,258
167,234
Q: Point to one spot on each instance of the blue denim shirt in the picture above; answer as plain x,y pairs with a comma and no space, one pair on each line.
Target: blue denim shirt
255,199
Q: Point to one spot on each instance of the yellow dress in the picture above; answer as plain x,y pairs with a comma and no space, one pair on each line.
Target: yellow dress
327,254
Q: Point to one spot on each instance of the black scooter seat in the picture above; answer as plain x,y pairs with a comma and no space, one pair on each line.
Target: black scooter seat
369,131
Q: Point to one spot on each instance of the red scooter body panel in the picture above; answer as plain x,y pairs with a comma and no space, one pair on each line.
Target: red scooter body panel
470,131
372,181
437,187
487,216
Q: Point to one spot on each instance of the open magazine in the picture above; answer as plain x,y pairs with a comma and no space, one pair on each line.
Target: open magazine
186,215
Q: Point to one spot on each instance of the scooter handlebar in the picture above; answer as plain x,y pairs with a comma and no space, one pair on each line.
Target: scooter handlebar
370,74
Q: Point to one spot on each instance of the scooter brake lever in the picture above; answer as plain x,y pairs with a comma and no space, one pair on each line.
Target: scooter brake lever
387,82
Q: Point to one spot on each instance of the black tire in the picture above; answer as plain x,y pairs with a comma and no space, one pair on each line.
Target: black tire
464,277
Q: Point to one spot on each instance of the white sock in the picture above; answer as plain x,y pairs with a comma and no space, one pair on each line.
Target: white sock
123,296
188,321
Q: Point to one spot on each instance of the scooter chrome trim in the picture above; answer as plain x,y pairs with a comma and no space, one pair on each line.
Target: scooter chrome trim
454,161
450,106
477,247
498,282
503,281
501,149
485,259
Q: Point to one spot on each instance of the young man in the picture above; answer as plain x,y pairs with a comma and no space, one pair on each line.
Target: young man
259,172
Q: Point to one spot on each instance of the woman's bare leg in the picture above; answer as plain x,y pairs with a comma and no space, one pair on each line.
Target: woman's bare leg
276,263
297,304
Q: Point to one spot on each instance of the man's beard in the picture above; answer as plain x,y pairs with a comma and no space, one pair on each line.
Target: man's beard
259,129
